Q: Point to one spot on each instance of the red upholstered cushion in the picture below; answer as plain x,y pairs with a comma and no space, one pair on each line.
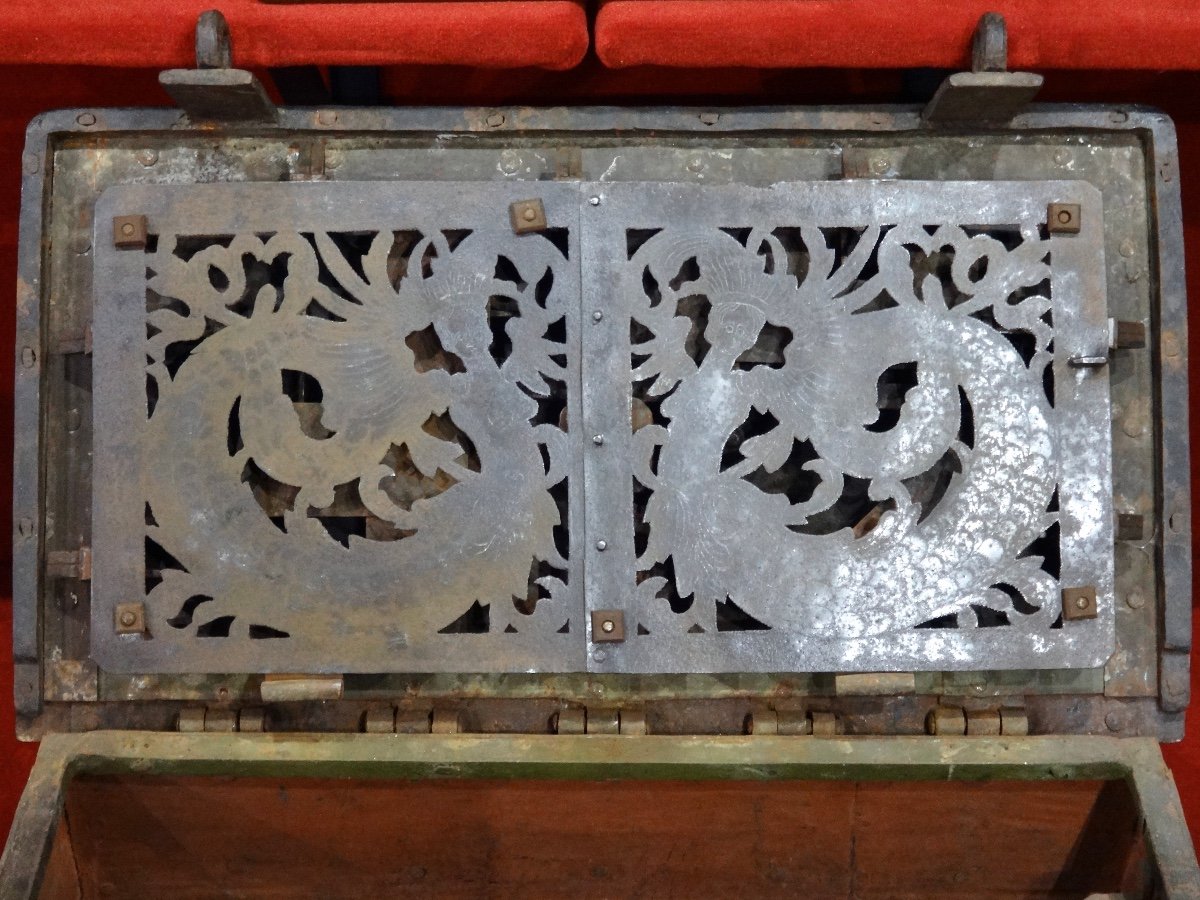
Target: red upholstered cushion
552,34
1048,34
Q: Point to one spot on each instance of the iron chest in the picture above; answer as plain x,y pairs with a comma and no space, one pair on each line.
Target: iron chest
533,501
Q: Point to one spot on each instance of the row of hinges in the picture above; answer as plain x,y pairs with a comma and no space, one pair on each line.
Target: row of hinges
943,720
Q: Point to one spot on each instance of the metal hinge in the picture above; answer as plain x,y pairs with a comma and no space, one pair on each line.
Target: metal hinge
198,718
977,721
70,564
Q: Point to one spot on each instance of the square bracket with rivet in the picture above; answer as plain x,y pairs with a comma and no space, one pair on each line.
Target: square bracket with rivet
129,232
1063,218
608,626
1079,603
130,618
527,216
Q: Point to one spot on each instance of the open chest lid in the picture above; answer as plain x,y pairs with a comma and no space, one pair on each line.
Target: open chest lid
822,419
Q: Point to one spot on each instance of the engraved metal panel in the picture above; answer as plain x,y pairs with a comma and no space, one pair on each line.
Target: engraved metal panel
331,430
848,435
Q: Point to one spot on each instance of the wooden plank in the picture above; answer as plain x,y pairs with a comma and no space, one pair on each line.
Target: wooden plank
189,836
61,881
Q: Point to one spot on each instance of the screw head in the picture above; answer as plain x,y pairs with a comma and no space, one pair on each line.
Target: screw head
601,546
597,316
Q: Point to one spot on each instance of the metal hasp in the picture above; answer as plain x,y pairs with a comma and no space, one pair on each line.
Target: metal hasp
213,91
989,93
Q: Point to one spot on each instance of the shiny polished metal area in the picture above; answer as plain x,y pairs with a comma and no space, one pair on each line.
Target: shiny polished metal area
840,426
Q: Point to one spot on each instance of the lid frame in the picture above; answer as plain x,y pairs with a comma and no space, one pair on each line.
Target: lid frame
861,131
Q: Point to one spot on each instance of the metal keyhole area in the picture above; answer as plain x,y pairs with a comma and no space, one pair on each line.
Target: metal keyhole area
811,427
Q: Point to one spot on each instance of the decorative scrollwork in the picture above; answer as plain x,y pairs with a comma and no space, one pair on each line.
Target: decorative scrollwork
344,415
843,431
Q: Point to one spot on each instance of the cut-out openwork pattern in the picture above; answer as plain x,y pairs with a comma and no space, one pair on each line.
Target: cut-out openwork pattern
350,406
823,427
832,413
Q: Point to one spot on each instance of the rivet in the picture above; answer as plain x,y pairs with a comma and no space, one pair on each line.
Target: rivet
28,357
599,656
127,228
595,201
495,120
597,316
1081,603
529,214
601,546
710,118
128,618
1135,600
334,158
147,157
1127,248
1061,156
695,164
86,119
597,439
327,117
608,626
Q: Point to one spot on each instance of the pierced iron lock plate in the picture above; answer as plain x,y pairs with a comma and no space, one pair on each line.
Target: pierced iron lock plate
350,427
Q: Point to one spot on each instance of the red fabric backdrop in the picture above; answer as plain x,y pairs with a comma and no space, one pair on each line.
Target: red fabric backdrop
32,89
